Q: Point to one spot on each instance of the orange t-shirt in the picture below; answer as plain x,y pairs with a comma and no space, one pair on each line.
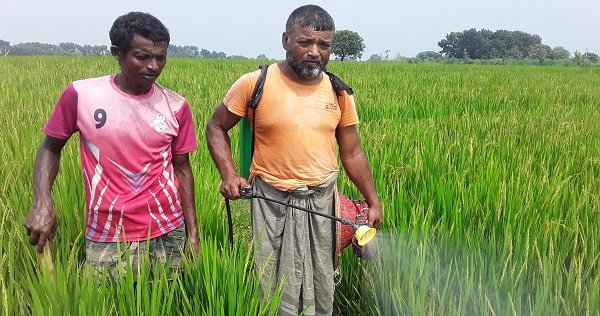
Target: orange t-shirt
295,125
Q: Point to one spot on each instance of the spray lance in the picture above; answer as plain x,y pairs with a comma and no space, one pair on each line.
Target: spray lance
362,233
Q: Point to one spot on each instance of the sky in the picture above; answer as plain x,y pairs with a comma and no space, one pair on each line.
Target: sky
250,28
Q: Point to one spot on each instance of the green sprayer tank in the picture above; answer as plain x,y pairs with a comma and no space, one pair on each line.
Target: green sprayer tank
245,148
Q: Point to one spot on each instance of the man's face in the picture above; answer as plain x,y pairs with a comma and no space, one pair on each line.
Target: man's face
307,50
143,63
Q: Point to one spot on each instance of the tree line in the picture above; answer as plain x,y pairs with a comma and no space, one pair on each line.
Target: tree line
468,46
502,44
72,49
36,48
496,47
473,46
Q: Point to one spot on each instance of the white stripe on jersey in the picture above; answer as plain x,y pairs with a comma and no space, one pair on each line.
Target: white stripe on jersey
108,220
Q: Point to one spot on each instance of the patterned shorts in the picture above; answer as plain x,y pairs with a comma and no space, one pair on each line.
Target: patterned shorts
164,249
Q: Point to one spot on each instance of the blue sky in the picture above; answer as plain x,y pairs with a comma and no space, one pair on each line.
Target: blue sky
251,28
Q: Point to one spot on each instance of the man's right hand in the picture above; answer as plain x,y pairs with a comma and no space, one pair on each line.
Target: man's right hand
230,187
41,225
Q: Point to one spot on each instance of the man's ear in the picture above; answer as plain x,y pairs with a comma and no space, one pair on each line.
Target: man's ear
285,41
115,52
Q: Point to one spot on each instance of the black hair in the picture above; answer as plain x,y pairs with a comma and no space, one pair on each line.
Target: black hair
140,23
310,16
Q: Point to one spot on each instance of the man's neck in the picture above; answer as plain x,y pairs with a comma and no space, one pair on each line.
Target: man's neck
131,89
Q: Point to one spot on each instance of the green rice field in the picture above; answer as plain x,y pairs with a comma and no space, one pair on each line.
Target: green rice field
489,177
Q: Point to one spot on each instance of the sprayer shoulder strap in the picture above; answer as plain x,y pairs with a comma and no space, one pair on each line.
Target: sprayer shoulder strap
338,86
258,87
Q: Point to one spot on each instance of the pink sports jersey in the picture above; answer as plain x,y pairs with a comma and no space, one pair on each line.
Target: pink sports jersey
127,143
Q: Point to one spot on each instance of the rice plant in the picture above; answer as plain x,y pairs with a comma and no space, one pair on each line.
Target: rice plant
489,177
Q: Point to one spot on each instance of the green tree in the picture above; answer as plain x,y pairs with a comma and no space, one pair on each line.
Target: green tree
101,50
539,52
514,53
183,51
559,52
485,44
35,48
468,44
452,45
429,55
347,44
205,53
71,48
375,57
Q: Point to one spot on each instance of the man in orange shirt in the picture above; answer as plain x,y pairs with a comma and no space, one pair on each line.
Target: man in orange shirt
298,124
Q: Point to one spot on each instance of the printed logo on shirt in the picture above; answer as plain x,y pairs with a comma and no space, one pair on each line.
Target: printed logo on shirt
331,106
159,123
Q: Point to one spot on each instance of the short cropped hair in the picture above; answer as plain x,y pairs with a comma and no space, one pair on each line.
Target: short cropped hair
143,24
310,16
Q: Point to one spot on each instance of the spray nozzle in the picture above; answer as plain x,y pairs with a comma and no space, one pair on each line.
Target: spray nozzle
362,233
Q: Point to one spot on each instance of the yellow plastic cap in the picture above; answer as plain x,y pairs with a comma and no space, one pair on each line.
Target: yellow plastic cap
364,234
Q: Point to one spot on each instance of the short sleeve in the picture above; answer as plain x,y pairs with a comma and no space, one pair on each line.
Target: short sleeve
348,108
239,93
185,141
63,121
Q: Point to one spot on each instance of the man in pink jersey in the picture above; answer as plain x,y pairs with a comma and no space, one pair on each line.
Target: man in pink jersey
299,122
135,137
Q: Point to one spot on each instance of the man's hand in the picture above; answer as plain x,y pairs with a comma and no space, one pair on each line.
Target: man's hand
192,245
375,216
41,224
230,187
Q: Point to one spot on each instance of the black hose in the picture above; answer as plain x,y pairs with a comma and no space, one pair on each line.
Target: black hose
229,222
